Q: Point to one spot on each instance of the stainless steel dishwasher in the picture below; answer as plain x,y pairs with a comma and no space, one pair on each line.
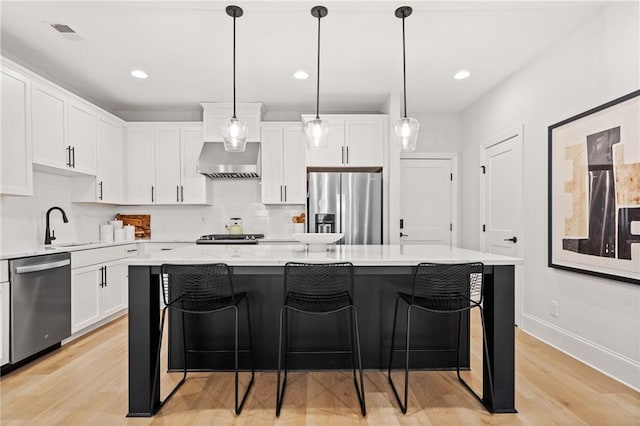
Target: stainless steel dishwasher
40,303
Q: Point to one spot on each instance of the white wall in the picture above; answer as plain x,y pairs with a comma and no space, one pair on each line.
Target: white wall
599,319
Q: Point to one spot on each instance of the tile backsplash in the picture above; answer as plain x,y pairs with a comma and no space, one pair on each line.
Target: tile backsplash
23,218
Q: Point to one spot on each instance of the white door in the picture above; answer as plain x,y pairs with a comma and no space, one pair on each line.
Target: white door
193,185
168,166
271,150
113,292
82,137
293,169
140,165
427,210
502,200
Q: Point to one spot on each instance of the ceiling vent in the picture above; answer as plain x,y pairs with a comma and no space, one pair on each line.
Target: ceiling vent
67,32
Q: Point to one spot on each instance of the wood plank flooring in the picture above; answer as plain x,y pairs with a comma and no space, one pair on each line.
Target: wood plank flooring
85,382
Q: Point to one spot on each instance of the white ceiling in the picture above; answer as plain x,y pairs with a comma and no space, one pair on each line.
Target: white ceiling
186,47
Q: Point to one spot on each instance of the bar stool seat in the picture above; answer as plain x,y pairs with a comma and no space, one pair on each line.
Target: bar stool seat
202,289
318,289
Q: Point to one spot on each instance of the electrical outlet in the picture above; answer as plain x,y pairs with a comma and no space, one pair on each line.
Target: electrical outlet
554,308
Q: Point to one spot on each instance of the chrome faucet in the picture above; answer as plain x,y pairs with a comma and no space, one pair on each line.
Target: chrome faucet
48,235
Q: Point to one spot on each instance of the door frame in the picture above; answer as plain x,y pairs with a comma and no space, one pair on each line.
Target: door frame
453,157
513,132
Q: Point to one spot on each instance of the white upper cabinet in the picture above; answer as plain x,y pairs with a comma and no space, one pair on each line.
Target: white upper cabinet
109,184
161,164
48,114
283,169
355,140
195,188
168,165
140,169
16,170
82,137
214,114
64,131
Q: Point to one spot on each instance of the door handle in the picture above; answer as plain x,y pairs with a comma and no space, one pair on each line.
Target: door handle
347,155
100,185
182,193
285,193
512,239
73,158
177,193
42,266
403,235
68,149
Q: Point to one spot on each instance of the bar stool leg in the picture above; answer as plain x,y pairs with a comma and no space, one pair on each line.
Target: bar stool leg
279,394
238,406
403,407
359,390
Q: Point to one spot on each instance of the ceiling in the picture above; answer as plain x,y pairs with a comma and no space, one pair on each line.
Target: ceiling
186,48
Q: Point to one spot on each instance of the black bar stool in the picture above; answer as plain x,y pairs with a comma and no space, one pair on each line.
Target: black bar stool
319,289
442,288
201,289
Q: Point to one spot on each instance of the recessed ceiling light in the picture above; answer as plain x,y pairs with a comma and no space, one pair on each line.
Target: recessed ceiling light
301,75
139,74
461,75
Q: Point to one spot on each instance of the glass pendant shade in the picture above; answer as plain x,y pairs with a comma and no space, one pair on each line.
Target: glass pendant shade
234,134
406,131
317,133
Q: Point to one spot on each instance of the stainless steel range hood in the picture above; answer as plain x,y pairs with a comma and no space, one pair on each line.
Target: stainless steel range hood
217,163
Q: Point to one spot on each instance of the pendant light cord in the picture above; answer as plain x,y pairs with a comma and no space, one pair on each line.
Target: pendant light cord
404,68
318,73
234,65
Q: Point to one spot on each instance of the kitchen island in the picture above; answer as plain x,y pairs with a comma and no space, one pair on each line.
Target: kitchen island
380,272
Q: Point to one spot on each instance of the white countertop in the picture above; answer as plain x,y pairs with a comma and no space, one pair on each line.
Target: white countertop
359,255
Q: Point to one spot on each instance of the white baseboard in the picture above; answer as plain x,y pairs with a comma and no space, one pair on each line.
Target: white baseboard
617,366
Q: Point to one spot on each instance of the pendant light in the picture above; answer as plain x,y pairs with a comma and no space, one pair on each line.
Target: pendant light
406,128
234,131
317,131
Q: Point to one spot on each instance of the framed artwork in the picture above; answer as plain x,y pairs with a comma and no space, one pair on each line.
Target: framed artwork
594,191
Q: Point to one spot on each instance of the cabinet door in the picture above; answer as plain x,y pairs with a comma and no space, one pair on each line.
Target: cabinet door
168,165
195,188
85,296
140,165
16,170
113,294
364,141
333,156
82,137
109,161
48,110
293,168
272,155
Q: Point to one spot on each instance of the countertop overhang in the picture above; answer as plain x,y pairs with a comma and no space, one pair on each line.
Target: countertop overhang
359,255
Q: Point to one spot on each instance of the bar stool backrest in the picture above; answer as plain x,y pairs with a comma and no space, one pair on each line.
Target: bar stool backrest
448,287
193,288
322,280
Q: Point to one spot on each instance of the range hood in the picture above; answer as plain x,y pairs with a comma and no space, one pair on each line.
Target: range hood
217,163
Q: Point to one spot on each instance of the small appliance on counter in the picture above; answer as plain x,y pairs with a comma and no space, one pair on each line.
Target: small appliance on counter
235,228
229,239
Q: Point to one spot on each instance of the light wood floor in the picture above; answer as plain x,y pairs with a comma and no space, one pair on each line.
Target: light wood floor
85,382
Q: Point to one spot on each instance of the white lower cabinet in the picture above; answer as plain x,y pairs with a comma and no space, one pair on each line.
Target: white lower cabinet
98,285
4,313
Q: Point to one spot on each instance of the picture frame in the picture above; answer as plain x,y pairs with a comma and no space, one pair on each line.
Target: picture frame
594,191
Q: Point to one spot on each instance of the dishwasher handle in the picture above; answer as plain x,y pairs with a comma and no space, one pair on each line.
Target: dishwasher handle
42,266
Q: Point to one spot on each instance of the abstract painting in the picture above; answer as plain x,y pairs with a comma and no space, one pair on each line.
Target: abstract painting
594,191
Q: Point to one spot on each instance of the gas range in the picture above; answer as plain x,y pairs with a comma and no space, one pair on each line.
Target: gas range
229,239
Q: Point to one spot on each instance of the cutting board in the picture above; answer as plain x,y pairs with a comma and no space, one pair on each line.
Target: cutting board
142,222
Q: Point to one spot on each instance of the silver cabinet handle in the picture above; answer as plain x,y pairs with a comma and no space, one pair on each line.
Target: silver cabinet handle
42,266
132,250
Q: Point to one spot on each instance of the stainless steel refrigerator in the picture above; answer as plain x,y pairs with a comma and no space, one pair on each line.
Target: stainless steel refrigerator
349,202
